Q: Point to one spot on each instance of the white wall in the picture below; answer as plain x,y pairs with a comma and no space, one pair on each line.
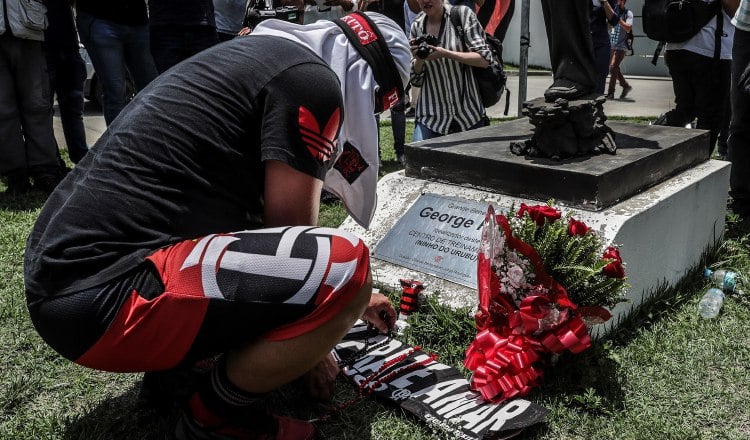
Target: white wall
638,64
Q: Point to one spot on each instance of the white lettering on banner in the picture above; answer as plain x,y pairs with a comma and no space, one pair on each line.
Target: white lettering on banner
403,381
392,346
434,392
368,364
484,417
400,394
434,421
449,404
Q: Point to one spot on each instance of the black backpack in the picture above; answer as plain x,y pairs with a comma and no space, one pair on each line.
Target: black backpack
492,80
675,21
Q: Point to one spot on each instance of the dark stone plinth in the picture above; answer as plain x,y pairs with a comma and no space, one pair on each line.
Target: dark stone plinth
566,128
646,155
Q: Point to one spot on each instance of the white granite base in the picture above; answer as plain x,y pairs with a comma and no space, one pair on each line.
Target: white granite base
662,232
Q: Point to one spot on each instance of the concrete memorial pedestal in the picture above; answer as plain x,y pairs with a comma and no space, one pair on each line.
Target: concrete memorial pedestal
658,198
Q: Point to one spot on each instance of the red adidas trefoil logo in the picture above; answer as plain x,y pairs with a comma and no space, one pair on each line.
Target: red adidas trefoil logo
320,143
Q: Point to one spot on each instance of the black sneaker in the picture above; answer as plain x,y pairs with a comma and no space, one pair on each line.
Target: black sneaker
46,183
169,389
661,120
18,185
199,423
625,92
565,89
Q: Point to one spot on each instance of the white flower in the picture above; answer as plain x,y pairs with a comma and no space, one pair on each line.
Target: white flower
513,257
516,276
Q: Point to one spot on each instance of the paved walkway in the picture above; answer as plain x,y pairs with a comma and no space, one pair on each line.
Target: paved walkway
649,98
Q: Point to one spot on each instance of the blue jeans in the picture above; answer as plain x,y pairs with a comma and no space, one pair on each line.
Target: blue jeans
421,132
113,48
67,72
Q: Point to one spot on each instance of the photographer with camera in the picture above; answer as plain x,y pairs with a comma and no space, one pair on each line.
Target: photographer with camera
449,101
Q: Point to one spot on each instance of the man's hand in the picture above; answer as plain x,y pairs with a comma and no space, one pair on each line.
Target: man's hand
320,380
362,5
380,313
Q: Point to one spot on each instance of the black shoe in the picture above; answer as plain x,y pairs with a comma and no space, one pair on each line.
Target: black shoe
197,422
625,92
18,185
565,89
741,208
46,183
661,120
168,389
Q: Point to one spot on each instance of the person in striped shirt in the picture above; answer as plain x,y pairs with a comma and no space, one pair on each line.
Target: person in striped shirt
449,100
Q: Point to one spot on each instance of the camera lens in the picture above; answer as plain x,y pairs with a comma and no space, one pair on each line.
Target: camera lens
423,50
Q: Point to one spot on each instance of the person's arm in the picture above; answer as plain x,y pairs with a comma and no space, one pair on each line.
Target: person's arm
627,24
730,6
470,58
362,5
291,197
477,52
608,11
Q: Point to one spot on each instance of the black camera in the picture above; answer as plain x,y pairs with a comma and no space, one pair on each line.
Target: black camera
259,10
423,43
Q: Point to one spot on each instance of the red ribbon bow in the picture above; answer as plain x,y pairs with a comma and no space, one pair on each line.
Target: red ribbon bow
506,355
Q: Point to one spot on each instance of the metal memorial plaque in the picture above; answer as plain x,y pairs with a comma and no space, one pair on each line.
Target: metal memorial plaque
439,236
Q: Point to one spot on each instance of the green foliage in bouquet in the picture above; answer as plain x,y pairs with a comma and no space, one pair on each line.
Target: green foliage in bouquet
573,260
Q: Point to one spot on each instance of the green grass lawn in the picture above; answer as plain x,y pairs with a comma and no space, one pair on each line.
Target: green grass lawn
665,374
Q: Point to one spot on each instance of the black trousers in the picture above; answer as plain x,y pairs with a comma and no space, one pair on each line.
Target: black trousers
701,87
570,46
739,129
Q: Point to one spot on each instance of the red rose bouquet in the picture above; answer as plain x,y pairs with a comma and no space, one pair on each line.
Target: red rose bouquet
542,280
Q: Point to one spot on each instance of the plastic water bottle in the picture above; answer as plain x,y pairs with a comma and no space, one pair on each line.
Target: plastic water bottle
710,305
725,280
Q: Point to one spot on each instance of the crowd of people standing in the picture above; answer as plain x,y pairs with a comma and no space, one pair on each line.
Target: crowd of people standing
199,245
131,42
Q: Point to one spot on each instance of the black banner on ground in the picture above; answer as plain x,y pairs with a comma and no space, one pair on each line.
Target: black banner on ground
435,393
